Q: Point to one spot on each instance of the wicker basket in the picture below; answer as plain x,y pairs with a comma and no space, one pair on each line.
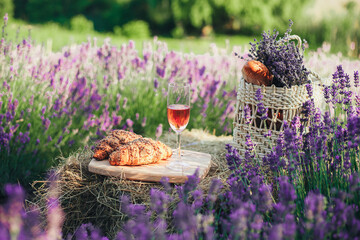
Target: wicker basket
283,105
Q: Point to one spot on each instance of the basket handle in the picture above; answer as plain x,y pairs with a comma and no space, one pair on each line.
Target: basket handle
299,44
292,37
316,76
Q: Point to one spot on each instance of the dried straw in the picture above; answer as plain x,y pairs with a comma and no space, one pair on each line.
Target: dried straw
87,197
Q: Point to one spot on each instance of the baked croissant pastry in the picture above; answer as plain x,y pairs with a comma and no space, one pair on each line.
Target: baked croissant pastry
140,152
115,138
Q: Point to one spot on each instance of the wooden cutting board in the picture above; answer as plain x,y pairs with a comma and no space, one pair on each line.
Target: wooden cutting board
154,172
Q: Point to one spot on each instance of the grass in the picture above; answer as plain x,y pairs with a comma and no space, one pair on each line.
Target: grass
55,37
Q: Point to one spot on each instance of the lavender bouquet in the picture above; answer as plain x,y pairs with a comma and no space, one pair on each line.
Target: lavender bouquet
282,57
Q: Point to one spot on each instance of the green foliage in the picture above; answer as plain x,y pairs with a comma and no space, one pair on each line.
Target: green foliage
197,13
45,10
342,31
136,29
178,18
178,32
117,31
159,11
80,23
237,15
6,6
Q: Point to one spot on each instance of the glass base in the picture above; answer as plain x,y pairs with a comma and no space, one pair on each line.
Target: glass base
177,166
175,153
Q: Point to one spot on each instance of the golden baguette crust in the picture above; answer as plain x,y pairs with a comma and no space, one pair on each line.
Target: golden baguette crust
257,73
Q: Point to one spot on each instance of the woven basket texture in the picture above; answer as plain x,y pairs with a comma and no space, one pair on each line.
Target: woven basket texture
283,104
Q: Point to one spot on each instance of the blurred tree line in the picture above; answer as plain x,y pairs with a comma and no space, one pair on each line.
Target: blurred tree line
178,18
165,16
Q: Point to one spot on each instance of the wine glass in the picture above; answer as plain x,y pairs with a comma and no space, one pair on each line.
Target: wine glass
178,114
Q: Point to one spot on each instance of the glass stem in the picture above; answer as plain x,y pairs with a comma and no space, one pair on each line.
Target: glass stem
179,144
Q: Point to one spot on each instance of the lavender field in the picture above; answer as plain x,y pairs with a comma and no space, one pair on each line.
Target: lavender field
53,103
58,102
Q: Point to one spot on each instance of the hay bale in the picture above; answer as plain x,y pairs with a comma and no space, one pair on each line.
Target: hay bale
87,197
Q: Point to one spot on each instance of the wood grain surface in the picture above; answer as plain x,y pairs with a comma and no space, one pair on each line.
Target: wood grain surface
154,172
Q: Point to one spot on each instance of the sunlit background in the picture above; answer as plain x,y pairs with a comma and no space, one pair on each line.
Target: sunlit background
73,70
186,25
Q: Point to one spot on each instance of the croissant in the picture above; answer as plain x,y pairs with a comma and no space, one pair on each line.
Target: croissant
115,138
140,152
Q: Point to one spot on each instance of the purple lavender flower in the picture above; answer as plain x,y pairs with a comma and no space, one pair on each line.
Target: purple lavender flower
129,123
327,94
156,83
315,215
307,109
159,131
247,115
284,61
233,158
185,218
262,111
356,78
343,218
165,183
160,71
131,44
309,90
12,211
71,142
46,123
125,102
9,116
250,147
258,95
138,226
215,186
143,123
201,71
6,18
60,139
189,186
31,225
6,86
261,195
244,170
198,197
244,222
289,226
203,109
43,109
276,232
116,120
159,201
67,54
214,87
286,196
88,231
